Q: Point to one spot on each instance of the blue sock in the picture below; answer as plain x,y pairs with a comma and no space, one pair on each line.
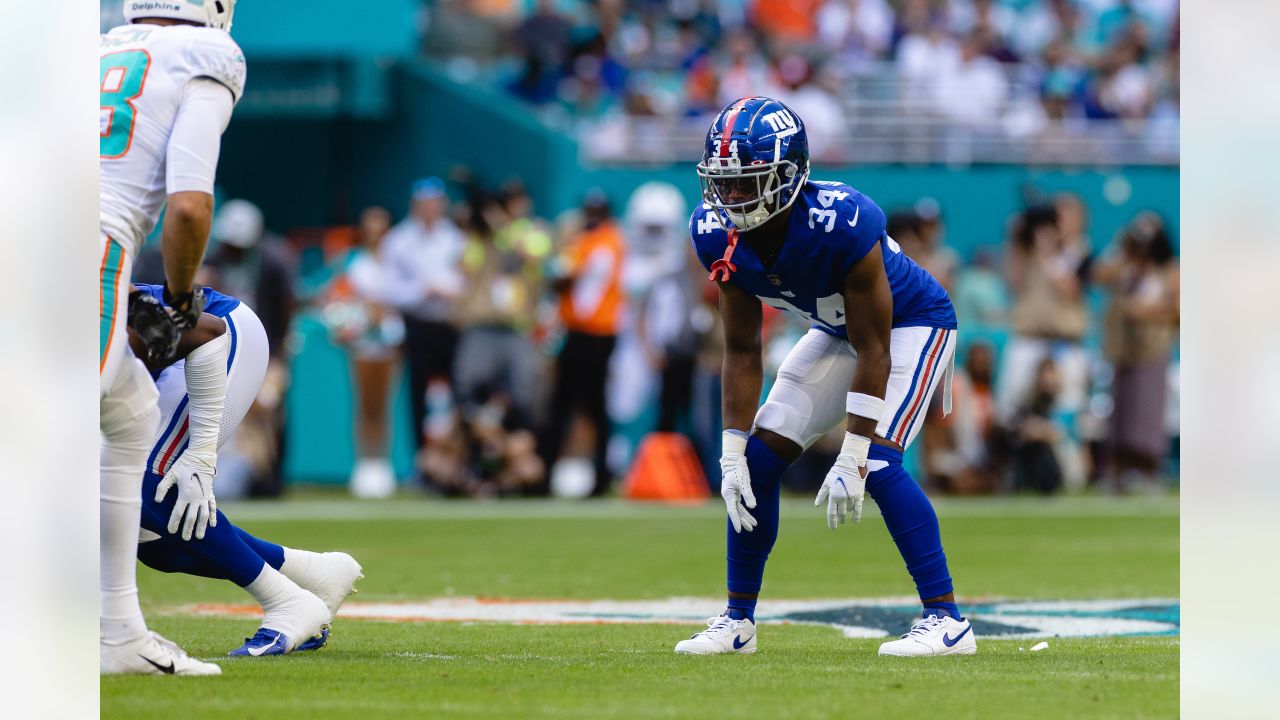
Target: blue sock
164,556
748,551
220,555
913,525
947,609
271,552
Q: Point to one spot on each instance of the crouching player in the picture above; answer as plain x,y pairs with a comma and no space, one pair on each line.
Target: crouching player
203,397
881,339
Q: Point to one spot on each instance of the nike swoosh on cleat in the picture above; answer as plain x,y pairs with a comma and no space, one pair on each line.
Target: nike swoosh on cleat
854,221
739,645
166,670
256,652
950,641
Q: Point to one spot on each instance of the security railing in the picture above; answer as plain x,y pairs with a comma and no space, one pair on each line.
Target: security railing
888,119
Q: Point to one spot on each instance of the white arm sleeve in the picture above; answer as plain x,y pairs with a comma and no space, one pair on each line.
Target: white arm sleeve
206,376
196,137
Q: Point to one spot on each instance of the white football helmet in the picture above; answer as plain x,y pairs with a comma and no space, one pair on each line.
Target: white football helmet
657,218
213,13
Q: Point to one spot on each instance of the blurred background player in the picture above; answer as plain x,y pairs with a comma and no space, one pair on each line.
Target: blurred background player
169,81
771,236
203,397
663,289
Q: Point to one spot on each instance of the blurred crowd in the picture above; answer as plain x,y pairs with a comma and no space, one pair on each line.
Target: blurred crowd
1025,67
538,354
1067,375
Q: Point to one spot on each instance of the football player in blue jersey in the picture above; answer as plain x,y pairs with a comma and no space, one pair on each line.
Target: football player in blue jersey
882,340
204,395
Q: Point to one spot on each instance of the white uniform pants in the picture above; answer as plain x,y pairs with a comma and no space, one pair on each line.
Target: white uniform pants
808,399
246,368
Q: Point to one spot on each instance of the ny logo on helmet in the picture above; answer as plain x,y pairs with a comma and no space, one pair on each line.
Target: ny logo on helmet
782,123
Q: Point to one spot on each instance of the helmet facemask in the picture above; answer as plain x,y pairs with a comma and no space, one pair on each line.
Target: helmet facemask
747,196
220,13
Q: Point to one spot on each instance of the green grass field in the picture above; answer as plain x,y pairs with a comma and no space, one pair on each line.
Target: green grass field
412,550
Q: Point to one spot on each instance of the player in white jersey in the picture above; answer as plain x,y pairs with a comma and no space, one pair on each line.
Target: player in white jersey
169,81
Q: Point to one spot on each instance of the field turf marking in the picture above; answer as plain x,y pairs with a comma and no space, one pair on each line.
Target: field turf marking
855,617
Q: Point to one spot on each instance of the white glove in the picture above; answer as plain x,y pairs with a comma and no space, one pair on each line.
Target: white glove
735,480
846,482
193,473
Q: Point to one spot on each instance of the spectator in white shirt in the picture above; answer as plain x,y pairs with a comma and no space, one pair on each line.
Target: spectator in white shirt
856,29
974,90
1124,86
423,255
924,57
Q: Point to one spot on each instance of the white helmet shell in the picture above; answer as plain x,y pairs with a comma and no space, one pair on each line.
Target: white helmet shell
212,13
657,203
238,223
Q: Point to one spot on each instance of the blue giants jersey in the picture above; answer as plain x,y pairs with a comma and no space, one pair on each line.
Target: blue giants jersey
831,227
215,303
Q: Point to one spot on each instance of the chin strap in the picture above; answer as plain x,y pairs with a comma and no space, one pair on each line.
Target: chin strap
724,266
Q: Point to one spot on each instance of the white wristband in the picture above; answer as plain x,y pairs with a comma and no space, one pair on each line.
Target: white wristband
864,405
733,442
856,446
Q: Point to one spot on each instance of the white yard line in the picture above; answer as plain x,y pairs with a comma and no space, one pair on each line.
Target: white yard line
854,617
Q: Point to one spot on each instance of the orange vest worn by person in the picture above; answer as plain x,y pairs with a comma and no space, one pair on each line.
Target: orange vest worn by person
593,305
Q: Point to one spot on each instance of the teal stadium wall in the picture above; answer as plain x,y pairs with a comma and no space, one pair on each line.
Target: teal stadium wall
339,115
323,28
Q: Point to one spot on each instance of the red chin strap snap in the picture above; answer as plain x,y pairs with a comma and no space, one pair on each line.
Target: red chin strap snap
722,268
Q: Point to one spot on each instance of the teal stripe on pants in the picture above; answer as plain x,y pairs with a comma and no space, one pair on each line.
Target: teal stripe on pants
110,281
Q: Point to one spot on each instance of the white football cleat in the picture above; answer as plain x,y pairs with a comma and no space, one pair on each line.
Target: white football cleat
331,576
723,635
934,635
151,654
297,619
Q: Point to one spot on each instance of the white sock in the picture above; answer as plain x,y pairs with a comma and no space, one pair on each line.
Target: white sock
297,565
122,461
273,591
120,618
